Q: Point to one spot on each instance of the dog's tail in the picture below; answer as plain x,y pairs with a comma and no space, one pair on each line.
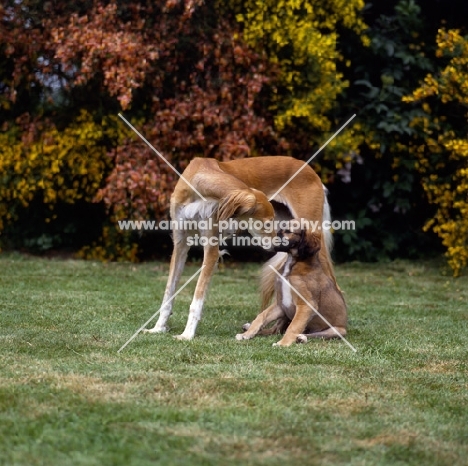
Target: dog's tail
327,218
268,277
327,239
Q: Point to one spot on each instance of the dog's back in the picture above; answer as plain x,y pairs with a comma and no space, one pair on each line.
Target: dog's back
331,303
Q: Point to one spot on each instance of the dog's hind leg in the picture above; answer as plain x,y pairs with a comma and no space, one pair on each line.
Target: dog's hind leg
278,327
210,259
327,334
179,256
270,314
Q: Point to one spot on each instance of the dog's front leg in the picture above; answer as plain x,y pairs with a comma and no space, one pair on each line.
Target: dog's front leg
270,314
210,259
298,324
179,256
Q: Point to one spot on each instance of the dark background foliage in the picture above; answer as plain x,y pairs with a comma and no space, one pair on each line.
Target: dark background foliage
195,88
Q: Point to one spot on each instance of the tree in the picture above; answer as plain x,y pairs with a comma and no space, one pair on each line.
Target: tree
191,84
302,38
441,147
381,186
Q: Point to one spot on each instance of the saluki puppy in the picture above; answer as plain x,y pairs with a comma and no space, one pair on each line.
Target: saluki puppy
308,303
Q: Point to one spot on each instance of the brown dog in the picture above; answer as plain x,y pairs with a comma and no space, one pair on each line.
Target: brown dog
304,272
240,189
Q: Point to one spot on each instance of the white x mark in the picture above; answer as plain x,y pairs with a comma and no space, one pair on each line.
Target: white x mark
308,161
159,310
161,156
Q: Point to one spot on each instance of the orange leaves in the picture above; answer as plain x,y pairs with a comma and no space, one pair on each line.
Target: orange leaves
202,94
196,88
104,43
139,185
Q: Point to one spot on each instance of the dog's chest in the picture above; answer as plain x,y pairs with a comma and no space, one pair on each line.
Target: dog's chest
284,292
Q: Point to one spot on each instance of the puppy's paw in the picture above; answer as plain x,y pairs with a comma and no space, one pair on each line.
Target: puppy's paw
282,343
246,326
285,341
183,337
242,336
301,339
155,330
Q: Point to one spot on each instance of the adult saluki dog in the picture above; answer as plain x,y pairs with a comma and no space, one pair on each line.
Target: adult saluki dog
238,189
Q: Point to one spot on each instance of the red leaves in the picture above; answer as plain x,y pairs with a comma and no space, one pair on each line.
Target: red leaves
198,85
140,185
106,44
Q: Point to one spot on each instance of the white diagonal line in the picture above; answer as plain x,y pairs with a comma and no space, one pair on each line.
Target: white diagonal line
159,310
161,156
308,161
315,310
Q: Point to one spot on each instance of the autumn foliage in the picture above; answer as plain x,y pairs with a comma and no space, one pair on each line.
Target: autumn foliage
198,98
231,79
442,155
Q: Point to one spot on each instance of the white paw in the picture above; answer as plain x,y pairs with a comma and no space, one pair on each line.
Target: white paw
242,336
281,343
301,339
246,326
183,337
155,330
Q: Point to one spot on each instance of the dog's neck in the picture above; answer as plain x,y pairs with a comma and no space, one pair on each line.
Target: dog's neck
308,259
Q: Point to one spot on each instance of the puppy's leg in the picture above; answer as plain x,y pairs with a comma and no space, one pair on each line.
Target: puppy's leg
210,259
179,256
297,325
327,334
270,314
279,327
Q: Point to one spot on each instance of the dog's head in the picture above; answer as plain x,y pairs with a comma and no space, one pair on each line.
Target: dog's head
246,203
298,241
250,204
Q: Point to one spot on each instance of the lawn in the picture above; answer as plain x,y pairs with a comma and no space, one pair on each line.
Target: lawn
67,397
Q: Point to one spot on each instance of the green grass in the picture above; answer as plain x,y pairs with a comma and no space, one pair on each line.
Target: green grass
68,398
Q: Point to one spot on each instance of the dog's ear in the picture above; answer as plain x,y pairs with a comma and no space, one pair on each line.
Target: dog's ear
309,244
238,202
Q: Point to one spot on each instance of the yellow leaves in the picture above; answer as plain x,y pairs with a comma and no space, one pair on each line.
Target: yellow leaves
366,41
50,196
451,83
308,81
112,245
446,181
54,168
426,108
458,147
62,165
450,222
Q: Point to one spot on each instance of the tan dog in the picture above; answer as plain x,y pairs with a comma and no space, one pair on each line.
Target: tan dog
238,189
303,270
